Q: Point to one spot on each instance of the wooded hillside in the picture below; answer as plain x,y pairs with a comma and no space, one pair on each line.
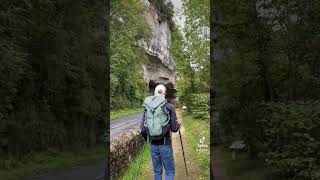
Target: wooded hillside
268,82
53,75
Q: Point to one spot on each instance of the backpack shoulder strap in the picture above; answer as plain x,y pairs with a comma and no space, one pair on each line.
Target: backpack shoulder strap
164,107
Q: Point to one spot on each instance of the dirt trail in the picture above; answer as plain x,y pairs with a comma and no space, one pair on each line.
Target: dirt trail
193,170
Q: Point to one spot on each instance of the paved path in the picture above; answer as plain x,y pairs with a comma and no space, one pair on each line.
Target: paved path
124,124
89,172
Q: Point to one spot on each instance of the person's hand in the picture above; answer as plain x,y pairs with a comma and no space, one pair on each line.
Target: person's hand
179,122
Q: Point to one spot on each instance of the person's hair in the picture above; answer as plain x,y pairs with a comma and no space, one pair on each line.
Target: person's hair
160,90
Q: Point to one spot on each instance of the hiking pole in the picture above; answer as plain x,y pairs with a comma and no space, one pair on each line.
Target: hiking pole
184,159
144,146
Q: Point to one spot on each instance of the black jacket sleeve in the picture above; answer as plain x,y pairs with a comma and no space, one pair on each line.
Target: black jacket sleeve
174,125
142,128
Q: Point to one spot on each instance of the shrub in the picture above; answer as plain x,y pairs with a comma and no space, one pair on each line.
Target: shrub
165,11
199,105
118,103
291,139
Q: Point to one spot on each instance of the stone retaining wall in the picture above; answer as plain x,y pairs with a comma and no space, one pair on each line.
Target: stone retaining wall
123,149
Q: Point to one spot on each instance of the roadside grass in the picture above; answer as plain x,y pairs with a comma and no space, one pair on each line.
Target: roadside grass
41,163
124,112
131,171
194,130
243,168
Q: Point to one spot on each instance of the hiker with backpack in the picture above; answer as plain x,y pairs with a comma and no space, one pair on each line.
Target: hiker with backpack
158,122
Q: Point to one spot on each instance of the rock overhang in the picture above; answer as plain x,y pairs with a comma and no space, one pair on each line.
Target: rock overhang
161,68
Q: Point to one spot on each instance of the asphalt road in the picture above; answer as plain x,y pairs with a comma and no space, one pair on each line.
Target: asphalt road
124,124
89,172
94,171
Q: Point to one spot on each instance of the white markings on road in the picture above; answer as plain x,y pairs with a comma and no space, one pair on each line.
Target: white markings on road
118,125
136,120
122,124
100,177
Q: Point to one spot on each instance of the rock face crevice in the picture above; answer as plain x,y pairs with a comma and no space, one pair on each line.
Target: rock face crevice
161,67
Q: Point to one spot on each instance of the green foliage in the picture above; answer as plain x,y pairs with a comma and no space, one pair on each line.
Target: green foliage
164,10
53,74
197,42
128,27
199,105
124,112
140,161
268,59
194,131
291,138
190,51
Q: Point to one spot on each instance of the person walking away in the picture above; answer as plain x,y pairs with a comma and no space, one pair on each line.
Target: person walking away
158,122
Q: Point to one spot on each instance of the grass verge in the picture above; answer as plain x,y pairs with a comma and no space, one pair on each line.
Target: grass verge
195,129
243,168
131,172
44,162
124,112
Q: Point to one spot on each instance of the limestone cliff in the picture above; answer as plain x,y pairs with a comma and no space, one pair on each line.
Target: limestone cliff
161,67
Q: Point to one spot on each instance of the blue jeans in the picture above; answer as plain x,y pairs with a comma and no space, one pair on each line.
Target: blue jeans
162,156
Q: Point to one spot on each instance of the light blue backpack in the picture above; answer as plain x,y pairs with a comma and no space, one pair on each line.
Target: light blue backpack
157,117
